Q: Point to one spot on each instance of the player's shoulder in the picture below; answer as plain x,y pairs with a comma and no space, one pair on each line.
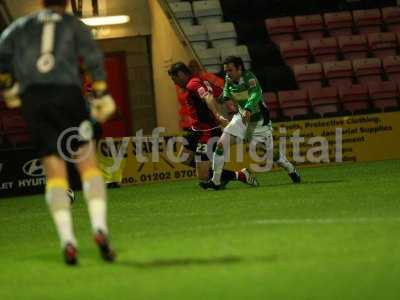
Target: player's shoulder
248,75
194,83
250,79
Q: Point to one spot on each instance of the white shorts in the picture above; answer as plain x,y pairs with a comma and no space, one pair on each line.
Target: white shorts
255,132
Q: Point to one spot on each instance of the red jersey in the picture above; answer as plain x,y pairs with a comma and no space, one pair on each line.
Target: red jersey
201,115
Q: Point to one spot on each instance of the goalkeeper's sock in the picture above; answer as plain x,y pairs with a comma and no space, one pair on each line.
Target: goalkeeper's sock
95,195
59,205
218,165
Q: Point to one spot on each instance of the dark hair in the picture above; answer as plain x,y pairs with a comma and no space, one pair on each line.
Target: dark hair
47,3
179,67
236,61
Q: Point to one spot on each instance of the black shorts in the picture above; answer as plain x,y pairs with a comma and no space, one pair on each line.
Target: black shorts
202,143
58,118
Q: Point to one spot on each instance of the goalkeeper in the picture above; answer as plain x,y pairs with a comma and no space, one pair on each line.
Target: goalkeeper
250,123
39,71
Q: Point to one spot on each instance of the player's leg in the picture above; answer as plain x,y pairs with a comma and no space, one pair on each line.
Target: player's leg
59,205
94,191
203,166
263,134
44,119
281,160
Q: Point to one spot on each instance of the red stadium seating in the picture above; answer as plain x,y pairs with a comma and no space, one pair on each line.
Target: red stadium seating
14,127
354,98
324,50
382,44
368,21
391,66
353,47
309,75
325,101
367,70
339,23
339,73
294,104
2,105
295,52
272,103
310,26
281,29
384,95
391,18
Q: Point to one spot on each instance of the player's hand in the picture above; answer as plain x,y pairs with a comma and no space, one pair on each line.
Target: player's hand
10,90
222,120
102,108
11,97
246,116
103,105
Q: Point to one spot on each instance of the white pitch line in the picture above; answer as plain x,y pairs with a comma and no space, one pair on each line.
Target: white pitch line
322,221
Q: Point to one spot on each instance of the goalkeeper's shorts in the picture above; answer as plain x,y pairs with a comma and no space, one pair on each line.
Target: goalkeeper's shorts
58,119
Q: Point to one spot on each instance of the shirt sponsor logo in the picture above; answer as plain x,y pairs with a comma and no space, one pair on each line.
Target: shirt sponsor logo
252,83
202,92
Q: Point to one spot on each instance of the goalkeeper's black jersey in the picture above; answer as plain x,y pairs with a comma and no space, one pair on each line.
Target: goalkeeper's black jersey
44,48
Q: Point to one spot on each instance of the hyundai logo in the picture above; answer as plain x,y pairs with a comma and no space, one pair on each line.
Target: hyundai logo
34,168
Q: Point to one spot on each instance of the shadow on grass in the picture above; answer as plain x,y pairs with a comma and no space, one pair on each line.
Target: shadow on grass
194,261
304,183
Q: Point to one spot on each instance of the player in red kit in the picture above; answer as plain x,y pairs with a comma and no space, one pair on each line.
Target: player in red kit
206,126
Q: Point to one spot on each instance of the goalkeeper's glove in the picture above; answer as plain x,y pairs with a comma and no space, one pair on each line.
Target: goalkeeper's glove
10,90
102,106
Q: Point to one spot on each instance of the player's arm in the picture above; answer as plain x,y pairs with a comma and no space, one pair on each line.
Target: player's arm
103,105
8,86
203,93
211,104
226,94
255,97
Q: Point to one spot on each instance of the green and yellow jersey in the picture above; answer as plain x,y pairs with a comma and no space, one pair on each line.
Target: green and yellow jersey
247,95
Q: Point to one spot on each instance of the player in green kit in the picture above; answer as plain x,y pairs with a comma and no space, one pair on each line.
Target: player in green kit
251,123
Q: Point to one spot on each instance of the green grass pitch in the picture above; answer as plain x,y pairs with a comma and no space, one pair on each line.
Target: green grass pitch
335,236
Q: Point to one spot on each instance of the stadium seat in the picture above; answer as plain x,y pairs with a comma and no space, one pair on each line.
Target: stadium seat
251,31
339,73
384,95
324,50
354,98
391,18
353,47
391,66
309,75
281,29
208,12
2,104
272,103
197,35
241,51
210,59
339,23
222,34
183,12
235,10
382,44
325,101
367,70
294,104
295,52
15,128
368,21
310,26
